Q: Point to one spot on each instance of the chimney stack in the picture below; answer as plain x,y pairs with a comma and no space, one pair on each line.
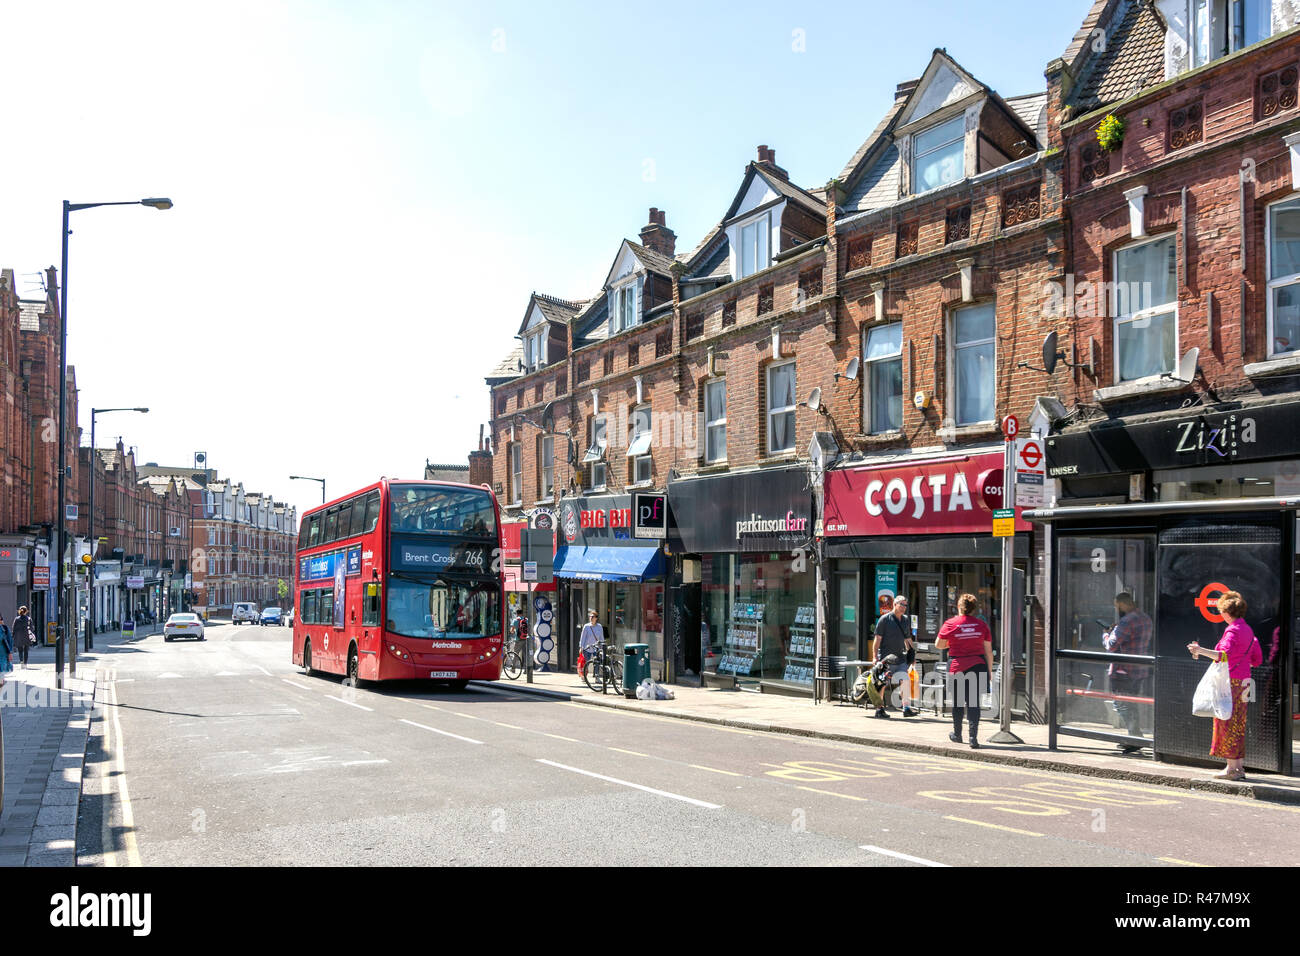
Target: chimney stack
656,235
767,159
904,89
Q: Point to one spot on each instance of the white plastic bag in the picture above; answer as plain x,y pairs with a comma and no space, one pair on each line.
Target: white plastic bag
1213,697
645,690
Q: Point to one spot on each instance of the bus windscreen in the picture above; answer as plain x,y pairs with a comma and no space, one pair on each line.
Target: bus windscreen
422,509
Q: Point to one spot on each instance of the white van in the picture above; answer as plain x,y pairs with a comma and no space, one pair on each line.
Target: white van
245,612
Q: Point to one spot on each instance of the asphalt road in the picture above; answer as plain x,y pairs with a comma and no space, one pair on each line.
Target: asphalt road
224,753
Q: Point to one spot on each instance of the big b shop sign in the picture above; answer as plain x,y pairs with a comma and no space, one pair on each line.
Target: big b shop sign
940,495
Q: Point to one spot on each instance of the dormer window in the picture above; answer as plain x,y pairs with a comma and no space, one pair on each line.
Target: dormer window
1220,27
622,308
535,350
755,254
939,155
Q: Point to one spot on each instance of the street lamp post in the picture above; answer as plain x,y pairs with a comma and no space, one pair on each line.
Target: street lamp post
305,478
60,605
94,542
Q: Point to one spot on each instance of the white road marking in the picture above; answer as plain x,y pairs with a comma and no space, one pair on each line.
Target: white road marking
227,674
902,856
350,703
263,669
445,733
358,763
634,786
168,675
129,846
295,683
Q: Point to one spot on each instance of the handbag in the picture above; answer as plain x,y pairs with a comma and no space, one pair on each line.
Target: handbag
1213,697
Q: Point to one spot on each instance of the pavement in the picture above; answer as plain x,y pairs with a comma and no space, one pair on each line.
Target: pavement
45,734
927,734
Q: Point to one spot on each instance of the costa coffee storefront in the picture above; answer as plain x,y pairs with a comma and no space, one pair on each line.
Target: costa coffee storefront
1194,505
920,527
744,579
601,565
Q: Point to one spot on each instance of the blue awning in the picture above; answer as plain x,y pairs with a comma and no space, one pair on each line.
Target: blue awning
608,564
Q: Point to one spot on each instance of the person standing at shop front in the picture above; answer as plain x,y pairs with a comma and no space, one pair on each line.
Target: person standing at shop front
24,634
894,636
1241,650
969,644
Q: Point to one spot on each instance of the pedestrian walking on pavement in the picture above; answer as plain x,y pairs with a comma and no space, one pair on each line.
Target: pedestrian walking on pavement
1240,648
24,635
6,651
969,643
894,636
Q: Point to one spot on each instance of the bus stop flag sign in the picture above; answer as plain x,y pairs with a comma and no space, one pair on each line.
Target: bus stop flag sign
1031,469
1004,523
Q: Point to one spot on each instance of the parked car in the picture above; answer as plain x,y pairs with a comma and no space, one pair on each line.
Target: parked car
245,612
183,625
272,615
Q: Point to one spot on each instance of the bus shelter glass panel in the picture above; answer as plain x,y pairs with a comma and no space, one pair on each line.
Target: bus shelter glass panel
1105,613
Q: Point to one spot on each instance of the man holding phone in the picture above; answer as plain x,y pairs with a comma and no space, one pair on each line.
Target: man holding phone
894,636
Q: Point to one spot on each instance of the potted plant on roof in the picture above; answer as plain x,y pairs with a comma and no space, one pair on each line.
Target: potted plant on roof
1110,133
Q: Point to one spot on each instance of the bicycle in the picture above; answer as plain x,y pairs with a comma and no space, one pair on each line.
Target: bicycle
512,665
603,668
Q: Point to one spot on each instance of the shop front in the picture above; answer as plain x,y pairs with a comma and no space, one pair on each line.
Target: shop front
745,597
15,553
921,527
1195,505
600,565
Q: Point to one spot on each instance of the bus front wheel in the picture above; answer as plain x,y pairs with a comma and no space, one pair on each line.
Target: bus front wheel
306,657
354,667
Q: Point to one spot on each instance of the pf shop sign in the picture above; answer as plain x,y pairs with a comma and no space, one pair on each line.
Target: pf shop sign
956,495
649,516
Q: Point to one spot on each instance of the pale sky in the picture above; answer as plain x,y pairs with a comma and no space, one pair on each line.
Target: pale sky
367,192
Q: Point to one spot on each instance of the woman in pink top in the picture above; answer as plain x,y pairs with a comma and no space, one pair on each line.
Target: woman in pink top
1241,650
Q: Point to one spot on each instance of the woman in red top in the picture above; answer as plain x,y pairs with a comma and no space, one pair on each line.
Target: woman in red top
970,654
1241,650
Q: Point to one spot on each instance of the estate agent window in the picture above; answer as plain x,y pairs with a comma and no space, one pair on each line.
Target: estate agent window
780,408
939,155
1146,309
1284,277
715,421
974,367
883,357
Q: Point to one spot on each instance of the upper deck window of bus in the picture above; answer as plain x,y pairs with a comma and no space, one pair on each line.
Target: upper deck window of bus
331,526
313,534
345,520
447,510
372,511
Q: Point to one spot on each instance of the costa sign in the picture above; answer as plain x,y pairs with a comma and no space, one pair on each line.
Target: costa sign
948,495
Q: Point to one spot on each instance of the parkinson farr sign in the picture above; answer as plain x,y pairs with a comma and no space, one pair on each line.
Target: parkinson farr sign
936,496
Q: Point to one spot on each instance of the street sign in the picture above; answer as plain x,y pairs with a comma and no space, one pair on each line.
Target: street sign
1010,427
530,570
538,548
41,577
1031,469
1004,523
134,582
70,512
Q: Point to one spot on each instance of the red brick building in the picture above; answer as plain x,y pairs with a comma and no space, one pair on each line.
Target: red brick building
1179,301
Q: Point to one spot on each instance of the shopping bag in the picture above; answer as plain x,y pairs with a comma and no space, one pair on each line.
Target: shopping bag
582,661
1213,697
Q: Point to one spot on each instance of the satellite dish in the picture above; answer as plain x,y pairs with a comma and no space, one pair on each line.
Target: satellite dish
815,399
1187,365
851,372
1049,352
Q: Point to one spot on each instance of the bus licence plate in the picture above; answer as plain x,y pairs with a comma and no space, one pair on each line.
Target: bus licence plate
443,674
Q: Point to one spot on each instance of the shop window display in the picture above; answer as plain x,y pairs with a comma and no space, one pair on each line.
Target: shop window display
753,606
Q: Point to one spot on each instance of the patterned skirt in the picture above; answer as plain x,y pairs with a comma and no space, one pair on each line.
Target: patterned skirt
1230,735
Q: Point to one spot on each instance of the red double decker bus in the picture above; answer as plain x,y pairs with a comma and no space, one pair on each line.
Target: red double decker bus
402,580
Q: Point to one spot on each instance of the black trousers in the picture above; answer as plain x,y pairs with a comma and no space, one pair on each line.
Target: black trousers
964,696
22,653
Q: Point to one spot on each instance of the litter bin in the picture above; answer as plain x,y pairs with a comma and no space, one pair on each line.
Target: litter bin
636,667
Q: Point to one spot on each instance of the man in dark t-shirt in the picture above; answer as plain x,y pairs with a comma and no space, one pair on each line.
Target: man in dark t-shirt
894,636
